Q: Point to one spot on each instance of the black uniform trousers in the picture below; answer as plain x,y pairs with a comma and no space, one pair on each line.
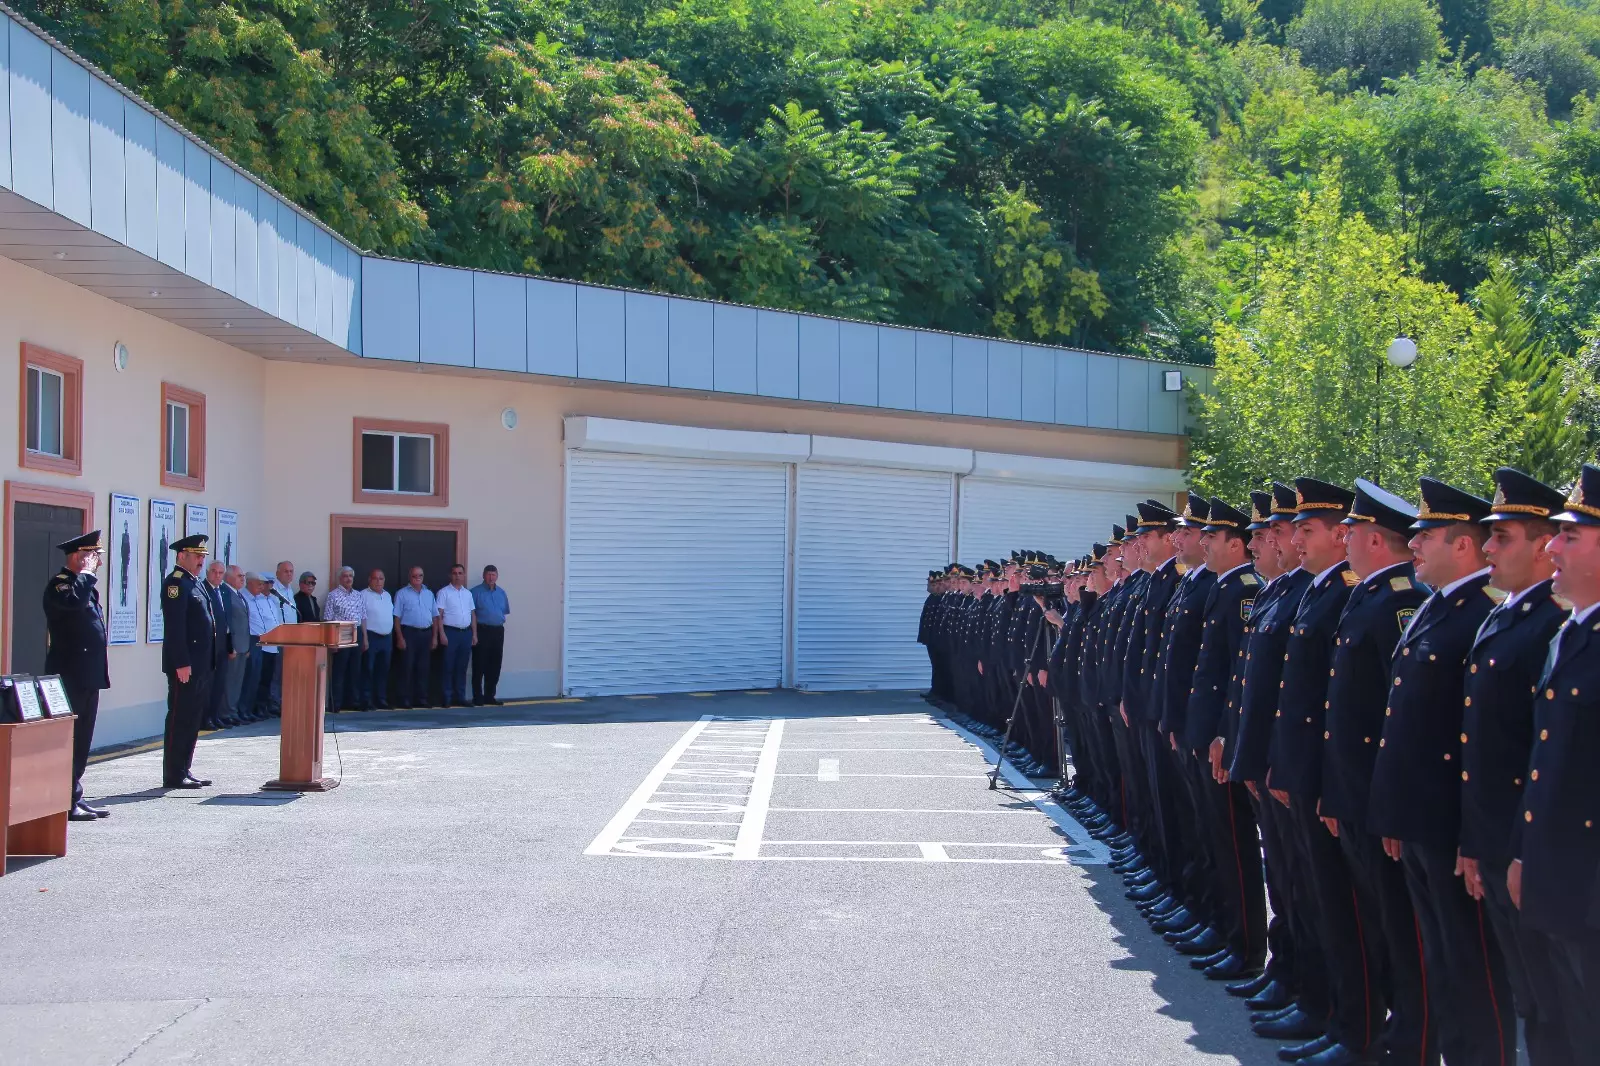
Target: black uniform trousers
1196,880
1240,888
1555,1033
1281,965
1469,986
1164,850
86,705
186,704
490,653
1412,1032
1352,946
1303,967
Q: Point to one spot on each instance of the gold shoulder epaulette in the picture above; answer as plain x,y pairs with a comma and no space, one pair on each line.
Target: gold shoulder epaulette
1182,568
1497,595
1399,584
1249,579
1350,578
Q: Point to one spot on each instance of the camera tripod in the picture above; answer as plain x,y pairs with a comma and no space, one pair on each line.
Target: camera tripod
1016,705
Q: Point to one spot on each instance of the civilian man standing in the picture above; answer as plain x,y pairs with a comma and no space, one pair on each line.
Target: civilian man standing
78,653
216,715
377,643
238,608
190,652
457,629
344,664
414,609
490,608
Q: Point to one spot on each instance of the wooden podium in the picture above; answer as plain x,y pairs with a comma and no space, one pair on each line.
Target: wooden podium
35,786
305,699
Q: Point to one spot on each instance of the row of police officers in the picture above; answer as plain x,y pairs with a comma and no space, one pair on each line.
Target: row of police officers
1380,719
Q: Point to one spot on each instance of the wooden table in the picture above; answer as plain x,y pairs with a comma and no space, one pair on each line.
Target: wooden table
35,786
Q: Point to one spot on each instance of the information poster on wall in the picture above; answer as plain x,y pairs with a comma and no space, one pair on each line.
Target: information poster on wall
226,544
119,592
163,531
196,519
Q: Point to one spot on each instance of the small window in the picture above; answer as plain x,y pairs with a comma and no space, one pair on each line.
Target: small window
50,411
45,392
183,438
178,439
405,463
397,462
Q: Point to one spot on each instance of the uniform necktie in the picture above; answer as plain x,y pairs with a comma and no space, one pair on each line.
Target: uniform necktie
1554,653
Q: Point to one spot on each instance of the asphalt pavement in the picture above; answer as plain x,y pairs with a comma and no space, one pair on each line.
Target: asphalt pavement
719,879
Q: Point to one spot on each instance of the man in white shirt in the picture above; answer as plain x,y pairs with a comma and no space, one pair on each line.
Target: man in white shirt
417,618
456,627
377,643
255,693
280,596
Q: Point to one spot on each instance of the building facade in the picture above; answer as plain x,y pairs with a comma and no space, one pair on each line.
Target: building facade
678,494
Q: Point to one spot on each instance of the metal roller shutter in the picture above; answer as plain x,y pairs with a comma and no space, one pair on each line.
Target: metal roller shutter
865,540
999,515
675,574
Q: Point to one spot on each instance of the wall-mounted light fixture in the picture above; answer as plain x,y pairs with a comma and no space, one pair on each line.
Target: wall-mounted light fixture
1172,381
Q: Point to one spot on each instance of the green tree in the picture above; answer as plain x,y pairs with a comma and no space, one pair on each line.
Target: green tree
1369,39
1296,387
1040,291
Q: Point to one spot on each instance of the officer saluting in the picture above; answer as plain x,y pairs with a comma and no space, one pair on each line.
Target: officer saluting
189,656
78,652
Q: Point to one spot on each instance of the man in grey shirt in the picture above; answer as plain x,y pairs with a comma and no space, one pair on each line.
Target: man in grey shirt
238,611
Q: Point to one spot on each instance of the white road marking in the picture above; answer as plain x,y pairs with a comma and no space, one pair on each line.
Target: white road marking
934,853
863,719
558,744
748,845
827,769
947,777
884,810
619,823
947,751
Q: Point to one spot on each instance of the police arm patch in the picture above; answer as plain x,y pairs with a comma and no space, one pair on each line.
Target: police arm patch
172,592
1246,609
1404,617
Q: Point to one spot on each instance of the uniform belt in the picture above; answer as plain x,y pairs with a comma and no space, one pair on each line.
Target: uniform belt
460,629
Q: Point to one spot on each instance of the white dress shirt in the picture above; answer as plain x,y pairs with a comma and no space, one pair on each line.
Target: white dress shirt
455,606
380,611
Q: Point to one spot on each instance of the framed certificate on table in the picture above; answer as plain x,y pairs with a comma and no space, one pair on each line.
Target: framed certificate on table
19,700
54,695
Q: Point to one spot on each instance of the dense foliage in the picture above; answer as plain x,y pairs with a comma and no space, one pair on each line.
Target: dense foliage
1207,180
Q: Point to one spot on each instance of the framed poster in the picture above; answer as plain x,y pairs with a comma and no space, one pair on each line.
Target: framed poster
121,588
28,706
196,519
226,544
163,531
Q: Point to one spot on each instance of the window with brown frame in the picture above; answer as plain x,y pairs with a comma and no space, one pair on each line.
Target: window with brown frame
401,463
51,418
183,438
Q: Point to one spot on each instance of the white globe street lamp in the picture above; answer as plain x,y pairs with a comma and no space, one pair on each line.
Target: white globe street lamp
1402,352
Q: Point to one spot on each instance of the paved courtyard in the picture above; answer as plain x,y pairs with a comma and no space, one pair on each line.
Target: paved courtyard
717,879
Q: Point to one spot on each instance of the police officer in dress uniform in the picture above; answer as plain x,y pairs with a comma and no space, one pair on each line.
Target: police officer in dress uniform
1553,878
1415,802
1504,665
78,653
190,652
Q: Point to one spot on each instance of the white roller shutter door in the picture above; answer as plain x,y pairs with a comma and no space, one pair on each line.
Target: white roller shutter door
675,575
878,532
999,515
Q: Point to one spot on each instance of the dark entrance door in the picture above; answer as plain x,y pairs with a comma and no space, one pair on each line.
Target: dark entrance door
35,532
395,552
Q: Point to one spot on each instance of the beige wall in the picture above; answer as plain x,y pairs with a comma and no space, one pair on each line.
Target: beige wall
281,454
122,437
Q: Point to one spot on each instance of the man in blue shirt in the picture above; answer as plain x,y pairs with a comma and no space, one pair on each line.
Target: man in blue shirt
414,610
491,607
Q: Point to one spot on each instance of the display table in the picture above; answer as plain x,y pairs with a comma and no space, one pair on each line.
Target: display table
35,786
305,700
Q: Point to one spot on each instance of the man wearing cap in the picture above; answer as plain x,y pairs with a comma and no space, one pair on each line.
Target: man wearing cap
1415,799
1503,668
1553,880
1351,1016
1295,969
190,651
78,652
1360,675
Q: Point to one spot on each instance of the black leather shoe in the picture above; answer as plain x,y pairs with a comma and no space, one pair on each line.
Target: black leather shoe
1176,922
1295,1025
1205,962
1181,936
1270,996
1154,903
1207,943
80,814
1139,878
1164,910
1122,840
1147,892
199,782
1300,1052
1253,987
1336,1055
191,783
1230,969
98,812
1273,1015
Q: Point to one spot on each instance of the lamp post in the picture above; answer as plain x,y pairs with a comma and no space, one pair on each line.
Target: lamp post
1402,352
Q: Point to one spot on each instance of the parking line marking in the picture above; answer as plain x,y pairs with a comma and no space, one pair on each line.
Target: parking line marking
948,751
883,810
933,852
620,821
946,777
748,843
827,769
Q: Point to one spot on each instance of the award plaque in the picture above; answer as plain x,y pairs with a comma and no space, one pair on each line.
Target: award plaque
56,703
21,698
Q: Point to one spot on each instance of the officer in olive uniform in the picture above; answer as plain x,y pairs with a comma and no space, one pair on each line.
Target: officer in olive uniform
1506,659
190,652
78,653
1553,880
1415,802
